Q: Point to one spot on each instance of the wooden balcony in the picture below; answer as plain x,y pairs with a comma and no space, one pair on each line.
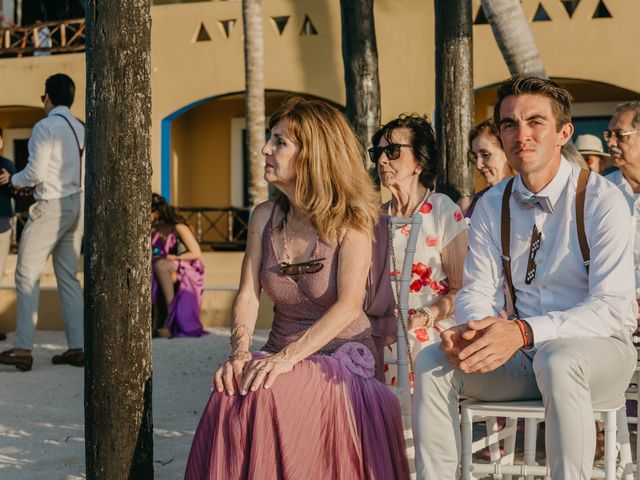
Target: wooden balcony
45,38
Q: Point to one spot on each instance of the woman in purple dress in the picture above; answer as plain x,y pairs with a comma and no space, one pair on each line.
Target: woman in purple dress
178,272
307,404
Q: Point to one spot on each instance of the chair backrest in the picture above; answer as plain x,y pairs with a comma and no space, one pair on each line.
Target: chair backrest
404,280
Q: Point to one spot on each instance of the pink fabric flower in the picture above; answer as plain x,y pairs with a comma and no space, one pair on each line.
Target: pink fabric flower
458,215
356,358
405,230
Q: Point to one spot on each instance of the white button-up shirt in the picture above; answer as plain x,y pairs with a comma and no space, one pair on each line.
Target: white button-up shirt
53,168
633,200
563,300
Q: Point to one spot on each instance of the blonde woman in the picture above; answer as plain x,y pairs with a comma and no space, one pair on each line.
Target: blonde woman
306,405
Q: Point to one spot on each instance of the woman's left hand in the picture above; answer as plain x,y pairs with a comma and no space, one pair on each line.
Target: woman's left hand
264,371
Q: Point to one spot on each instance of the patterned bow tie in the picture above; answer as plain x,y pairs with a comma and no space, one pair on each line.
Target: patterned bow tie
530,201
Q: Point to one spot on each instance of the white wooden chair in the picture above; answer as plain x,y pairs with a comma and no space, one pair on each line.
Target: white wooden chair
533,413
403,387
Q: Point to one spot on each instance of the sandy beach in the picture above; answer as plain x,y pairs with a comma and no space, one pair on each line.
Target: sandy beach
42,417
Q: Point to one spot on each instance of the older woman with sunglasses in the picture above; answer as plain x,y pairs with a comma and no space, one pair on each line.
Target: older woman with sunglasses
307,404
406,157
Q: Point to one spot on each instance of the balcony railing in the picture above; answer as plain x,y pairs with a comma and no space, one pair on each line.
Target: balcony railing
65,36
219,228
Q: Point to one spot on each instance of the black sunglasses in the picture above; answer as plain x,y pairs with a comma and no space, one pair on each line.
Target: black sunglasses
536,238
293,269
392,151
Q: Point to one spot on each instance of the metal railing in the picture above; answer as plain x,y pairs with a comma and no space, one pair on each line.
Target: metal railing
63,36
219,228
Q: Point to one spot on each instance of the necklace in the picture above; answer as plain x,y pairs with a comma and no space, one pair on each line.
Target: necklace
285,239
417,207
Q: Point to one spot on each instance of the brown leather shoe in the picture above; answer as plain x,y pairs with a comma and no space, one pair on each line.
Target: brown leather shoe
70,357
21,362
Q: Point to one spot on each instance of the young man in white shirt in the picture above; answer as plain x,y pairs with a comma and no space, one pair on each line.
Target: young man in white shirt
570,343
55,225
623,139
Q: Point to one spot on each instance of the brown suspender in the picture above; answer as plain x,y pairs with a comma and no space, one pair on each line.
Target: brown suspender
505,231
80,149
581,192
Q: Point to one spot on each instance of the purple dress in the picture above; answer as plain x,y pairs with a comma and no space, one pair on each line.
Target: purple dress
183,318
326,418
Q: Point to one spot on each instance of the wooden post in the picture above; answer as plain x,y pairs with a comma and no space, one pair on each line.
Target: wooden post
117,248
454,94
360,59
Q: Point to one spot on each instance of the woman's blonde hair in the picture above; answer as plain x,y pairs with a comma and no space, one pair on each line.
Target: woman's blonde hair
333,188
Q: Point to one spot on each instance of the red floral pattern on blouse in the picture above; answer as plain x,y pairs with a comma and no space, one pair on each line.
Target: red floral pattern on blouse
424,279
458,215
426,208
432,241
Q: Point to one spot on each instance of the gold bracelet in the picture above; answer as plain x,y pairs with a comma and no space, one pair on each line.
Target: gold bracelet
431,318
234,333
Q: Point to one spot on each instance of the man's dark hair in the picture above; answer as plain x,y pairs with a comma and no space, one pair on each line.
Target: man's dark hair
517,85
424,144
61,89
0,132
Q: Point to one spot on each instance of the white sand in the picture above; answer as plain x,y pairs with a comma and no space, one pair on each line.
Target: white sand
42,417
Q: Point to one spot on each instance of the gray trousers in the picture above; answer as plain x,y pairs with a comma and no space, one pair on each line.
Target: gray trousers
571,376
5,244
55,227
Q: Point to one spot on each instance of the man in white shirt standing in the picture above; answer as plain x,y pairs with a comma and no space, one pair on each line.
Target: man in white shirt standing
55,225
623,139
569,343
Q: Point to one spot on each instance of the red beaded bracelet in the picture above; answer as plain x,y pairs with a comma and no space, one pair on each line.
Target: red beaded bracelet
523,332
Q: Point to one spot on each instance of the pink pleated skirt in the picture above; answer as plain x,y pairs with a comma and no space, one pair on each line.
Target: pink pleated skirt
319,421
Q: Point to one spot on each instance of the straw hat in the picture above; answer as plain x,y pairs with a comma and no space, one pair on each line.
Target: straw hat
590,145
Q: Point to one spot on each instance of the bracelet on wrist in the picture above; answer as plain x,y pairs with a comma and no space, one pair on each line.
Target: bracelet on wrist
523,332
238,353
235,330
431,318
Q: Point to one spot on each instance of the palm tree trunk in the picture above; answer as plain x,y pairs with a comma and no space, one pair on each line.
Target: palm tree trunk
513,35
254,97
454,94
360,58
117,294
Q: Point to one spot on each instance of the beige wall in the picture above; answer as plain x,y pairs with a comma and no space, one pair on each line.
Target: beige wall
185,71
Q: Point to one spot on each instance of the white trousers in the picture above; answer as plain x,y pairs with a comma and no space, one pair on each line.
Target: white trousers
55,227
571,376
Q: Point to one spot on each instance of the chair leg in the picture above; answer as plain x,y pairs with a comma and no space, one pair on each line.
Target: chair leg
624,445
610,429
530,439
491,424
511,427
466,428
